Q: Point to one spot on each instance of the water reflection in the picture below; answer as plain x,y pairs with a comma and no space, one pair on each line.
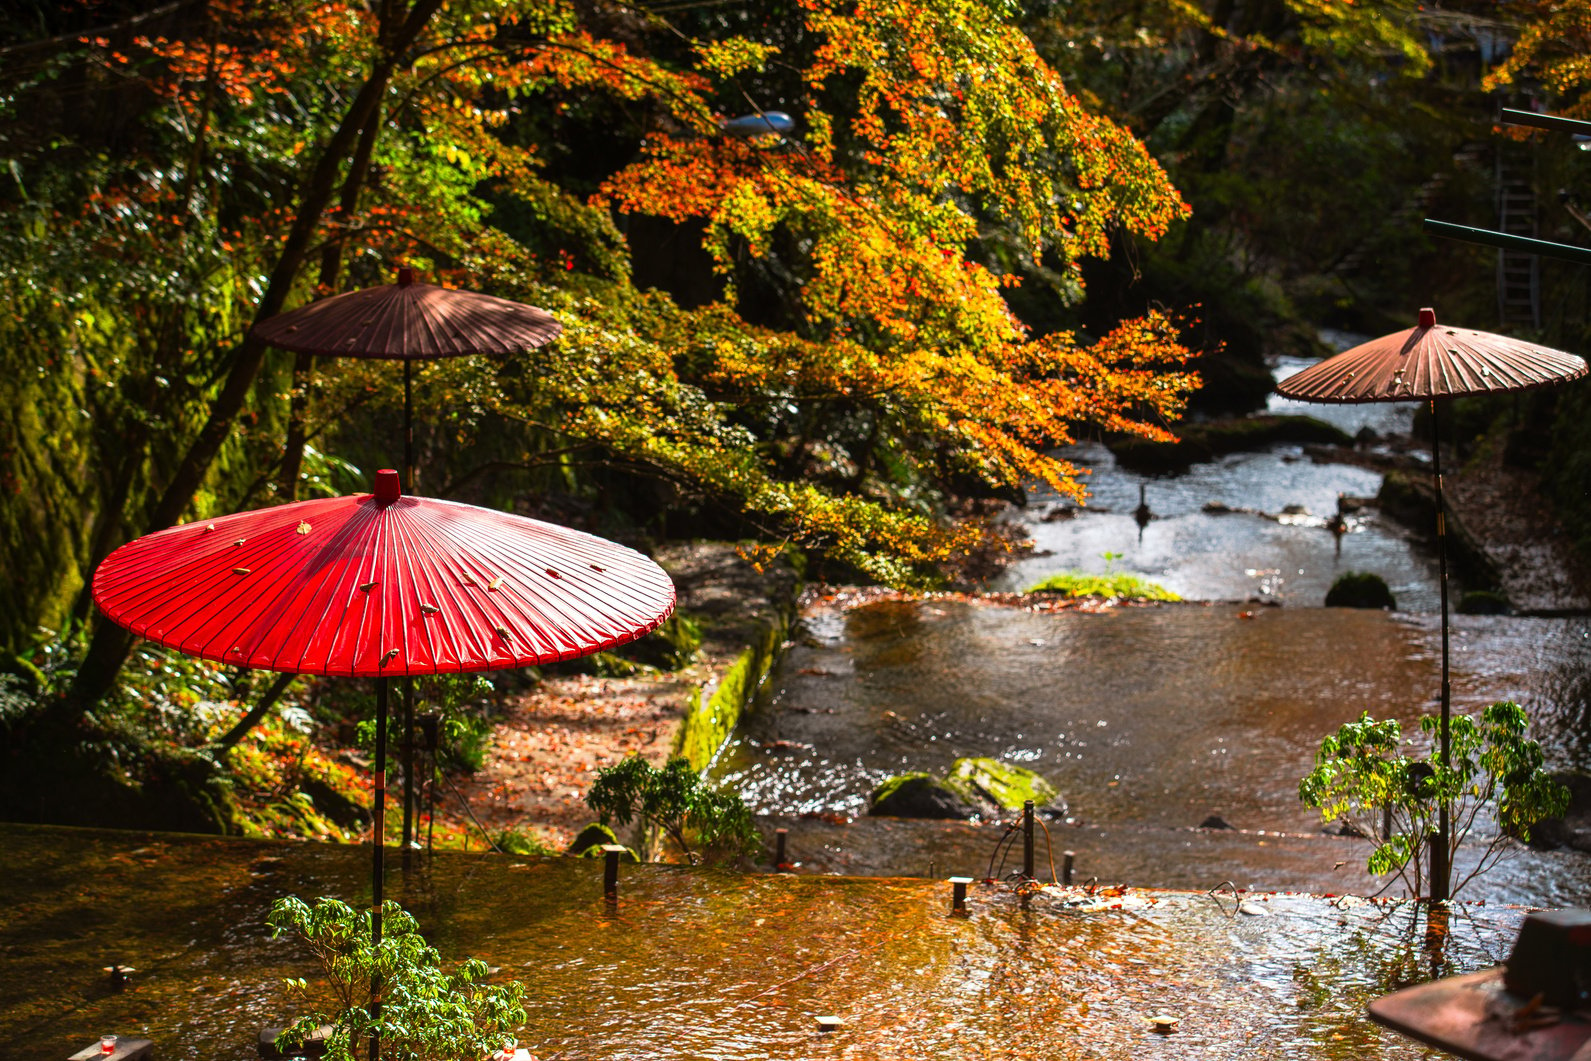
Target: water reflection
694,965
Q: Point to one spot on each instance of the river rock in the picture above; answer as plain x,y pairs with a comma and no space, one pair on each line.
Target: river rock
1574,828
1004,787
918,795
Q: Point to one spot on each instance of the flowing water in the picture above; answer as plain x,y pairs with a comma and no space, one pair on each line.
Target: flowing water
1150,719
692,964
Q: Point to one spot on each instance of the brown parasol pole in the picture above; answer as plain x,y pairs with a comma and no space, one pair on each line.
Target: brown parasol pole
1442,849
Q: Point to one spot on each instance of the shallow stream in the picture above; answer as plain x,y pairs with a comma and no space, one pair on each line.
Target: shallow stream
1150,719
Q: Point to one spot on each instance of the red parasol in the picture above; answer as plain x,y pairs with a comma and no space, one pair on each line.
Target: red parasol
381,585
1430,362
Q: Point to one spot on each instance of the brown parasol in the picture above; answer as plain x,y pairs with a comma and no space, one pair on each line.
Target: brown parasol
381,585
1430,362
409,321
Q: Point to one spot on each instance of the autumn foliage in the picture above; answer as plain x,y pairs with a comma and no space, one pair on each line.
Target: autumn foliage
859,367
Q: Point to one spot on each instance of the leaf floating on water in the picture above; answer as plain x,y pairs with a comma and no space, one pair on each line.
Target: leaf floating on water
303,528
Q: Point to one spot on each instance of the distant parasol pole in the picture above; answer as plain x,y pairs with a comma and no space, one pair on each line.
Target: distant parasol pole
406,278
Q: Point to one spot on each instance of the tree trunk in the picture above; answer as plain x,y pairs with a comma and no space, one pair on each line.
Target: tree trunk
111,643
330,266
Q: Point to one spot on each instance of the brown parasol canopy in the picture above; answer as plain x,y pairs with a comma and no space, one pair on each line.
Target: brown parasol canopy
1430,362
380,585
409,321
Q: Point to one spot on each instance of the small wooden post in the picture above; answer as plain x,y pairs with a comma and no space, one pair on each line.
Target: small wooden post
1068,858
1027,840
610,870
958,896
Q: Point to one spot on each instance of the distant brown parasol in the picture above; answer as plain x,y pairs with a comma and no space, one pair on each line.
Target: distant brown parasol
409,321
1431,361
1434,363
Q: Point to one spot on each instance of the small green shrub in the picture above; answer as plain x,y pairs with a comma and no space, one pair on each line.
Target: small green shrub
426,1014
701,821
1364,774
1360,589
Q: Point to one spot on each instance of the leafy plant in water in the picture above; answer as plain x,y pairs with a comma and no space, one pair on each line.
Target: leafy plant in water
426,1014
673,800
1364,777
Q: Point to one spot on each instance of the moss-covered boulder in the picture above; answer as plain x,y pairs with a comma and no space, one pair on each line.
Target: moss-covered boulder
1360,589
918,795
1004,786
1483,602
588,843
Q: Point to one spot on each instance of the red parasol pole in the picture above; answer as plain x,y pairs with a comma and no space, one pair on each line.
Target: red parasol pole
378,850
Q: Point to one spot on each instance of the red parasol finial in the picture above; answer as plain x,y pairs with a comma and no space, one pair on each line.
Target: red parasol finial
405,276
388,486
1427,317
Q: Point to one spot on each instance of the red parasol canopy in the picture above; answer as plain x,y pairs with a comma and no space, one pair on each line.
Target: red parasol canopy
1431,361
409,321
381,585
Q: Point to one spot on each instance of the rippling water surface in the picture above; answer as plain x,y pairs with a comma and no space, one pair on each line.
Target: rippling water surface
698,965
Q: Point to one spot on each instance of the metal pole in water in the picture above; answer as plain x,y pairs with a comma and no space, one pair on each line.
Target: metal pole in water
958,895
610,870
1027,840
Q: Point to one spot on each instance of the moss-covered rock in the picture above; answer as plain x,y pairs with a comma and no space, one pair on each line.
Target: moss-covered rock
918,795
1483,602
1004,785
1360,589
591,838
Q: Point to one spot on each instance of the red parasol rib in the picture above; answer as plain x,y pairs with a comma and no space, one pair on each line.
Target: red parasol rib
381,585
409,321
1431,361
